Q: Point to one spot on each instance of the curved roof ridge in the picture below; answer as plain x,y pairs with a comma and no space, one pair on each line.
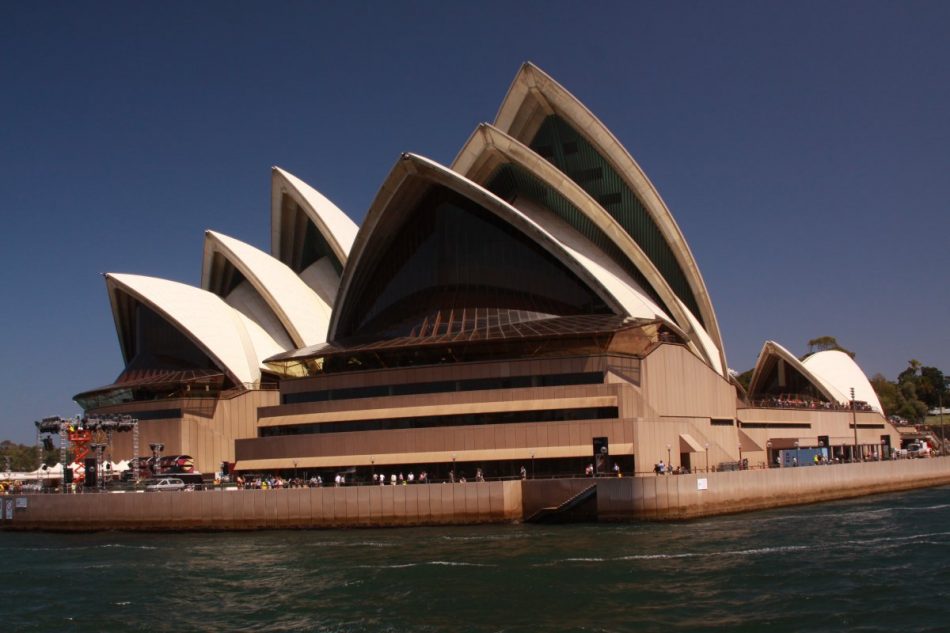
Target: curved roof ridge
474,163
412,165
625,289
300,310
203,317
552,98
771,348
838,369
335,225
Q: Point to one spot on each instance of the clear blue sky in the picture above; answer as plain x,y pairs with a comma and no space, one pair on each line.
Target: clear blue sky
803,148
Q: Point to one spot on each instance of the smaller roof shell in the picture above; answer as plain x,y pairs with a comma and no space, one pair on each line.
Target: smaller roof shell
771,349
335,226
211,324
837,369
303,314
832,372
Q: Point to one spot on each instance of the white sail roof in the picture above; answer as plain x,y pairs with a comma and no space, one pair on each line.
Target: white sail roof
333,224
771,349
832,372
412,173
489,148
532,98
300,311
213,326
837,369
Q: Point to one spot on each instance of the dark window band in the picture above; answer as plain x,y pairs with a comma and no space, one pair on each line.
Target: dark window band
770,425
445,386
158,414
435,421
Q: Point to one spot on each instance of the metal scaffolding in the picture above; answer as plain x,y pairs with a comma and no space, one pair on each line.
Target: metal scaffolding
78,432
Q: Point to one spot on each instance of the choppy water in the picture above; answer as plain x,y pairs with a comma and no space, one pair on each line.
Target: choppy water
877,564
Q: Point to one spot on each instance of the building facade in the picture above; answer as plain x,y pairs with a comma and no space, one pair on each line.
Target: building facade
533,308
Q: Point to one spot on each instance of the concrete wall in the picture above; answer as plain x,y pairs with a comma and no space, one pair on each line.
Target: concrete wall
679,497
355,506
618,499
206,432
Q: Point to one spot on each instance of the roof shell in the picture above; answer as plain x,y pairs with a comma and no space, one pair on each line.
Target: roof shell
488,148
302,313
772,349
214,327
837,369
832,372
413,173
335,226
532,97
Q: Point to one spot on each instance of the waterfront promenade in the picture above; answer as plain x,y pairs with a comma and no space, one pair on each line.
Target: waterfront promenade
614,499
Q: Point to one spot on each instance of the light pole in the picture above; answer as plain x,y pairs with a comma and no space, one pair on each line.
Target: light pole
157,448
797,454
452,474
768,452
98,448
372,466
707,457
821,453
532,464
940,404
740,456
669,460
854,419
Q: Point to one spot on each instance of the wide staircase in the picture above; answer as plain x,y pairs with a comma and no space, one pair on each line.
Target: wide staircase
579,507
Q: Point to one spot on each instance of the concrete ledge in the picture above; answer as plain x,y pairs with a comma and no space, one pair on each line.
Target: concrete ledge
297,508
651,498
677,497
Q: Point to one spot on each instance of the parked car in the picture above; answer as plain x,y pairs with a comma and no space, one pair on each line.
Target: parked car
163,484
918,449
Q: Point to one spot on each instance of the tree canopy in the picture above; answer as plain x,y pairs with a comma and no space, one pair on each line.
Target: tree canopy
824,343
23,457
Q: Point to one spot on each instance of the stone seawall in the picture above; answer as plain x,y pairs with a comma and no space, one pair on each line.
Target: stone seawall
356,506
690,496
618,499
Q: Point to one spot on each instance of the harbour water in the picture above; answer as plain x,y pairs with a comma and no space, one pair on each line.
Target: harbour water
872,564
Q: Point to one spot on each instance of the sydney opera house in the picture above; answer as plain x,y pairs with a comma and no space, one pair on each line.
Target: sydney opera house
534,304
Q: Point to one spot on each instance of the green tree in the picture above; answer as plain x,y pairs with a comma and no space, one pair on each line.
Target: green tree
911,408
824,343
24,458
745,378
929,382
888,393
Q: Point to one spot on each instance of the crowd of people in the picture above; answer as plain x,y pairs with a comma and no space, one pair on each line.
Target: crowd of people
265,482
802,402
661,468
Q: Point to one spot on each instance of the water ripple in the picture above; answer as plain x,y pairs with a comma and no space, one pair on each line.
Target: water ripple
867,565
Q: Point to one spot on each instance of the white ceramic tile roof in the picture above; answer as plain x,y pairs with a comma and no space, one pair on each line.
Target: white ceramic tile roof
337,227
771,348
840,371
300,310
203,317
488,141
532,85
555,236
